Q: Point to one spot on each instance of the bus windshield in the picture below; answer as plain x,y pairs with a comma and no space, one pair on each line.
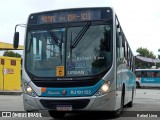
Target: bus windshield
81,51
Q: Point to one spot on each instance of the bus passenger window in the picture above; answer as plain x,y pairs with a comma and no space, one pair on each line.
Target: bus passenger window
138,73
155,74
143,74
158,74
149,74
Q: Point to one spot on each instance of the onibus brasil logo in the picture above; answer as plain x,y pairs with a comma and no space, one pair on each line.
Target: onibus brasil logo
21,114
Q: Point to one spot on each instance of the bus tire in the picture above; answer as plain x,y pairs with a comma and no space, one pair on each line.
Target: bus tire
56,114
118,112
138,85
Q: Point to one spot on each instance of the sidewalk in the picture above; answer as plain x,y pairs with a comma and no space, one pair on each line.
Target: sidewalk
10,92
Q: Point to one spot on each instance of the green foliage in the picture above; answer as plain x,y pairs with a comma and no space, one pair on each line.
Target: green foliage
11,54
158,55
144,52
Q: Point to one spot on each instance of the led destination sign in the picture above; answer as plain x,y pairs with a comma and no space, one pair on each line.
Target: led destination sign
73,16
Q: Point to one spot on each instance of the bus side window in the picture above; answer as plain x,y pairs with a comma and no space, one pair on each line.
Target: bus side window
149,74
155,74
144,74
118,46
138,73
158,74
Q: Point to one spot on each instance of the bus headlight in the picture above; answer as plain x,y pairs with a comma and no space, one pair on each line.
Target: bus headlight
103,90
29,90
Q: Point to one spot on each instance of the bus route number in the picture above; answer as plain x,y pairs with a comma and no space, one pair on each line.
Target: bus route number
82,16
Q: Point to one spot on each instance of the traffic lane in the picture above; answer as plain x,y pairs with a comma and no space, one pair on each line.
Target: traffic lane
11,103
146,100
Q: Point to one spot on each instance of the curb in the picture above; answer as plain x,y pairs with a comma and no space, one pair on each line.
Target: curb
10,92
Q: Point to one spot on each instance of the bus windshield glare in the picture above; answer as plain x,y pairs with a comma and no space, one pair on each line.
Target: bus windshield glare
74,51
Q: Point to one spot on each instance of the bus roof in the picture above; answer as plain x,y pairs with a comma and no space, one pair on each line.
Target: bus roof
71,15
64,9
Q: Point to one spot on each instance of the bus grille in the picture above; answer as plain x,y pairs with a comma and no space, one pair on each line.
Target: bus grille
76,104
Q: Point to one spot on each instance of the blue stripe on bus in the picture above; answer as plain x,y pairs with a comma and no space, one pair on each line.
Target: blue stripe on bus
150,80
72,92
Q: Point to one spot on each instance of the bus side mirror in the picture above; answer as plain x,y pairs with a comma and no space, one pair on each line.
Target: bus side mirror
16,40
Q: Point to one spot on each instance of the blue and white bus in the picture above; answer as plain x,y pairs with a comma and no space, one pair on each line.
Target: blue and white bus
147,78
76,60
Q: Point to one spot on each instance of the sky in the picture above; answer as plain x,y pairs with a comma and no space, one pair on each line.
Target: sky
140,19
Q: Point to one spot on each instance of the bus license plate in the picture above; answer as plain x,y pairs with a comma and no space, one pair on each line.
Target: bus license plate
64,108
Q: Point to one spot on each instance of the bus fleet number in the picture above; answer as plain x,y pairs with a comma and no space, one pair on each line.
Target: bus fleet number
81,92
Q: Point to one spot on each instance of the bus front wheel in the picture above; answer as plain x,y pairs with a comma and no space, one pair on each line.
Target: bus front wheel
56,114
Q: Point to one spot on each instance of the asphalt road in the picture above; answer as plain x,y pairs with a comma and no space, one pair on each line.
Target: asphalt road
146,107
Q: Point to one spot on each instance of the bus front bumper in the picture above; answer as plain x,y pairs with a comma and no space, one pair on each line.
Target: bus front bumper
91,103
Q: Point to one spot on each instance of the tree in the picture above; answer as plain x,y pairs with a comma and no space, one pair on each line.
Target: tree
158,55
144,52
11,54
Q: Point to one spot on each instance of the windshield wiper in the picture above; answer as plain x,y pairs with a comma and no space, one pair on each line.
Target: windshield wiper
70,55
53,36
60,47
80,35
